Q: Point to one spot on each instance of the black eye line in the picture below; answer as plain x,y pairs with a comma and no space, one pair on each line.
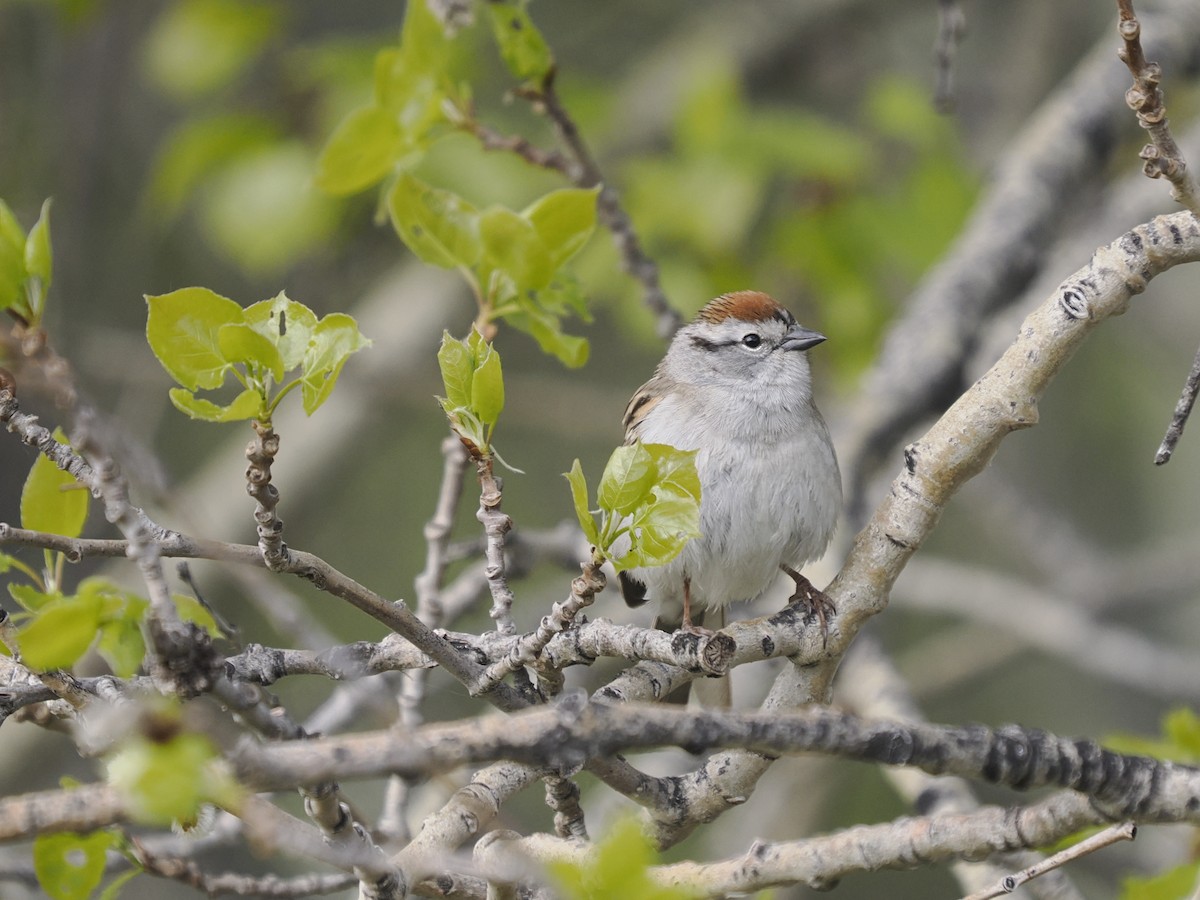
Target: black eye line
712,346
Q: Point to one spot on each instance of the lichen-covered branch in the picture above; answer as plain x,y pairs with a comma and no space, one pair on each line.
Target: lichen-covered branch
820,862
568,734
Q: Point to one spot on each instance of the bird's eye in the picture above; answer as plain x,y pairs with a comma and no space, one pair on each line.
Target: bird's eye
752,340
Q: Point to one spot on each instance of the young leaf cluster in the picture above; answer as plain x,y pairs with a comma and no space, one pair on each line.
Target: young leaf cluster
649,504
202,338
474,385
513,261
25,264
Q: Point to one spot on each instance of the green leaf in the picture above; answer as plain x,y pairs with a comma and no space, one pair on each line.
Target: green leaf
199,148
287,323
12,265
31,598
113,890
334,339
11,232
183,327
424,47
61,633
487,388
39,259
12,281
570,350
192,610
122,646
438,226
627,480
242,343
466,424
1181,727
199,46
564,220
675,470
512,245
619,867
522,46
71,866
6,562
579,496
246,405
168,781
1173,884
664,529
458,370
263,211
361,151
52,500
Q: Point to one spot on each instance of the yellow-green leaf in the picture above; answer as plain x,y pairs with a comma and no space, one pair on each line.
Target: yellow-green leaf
627,480
71,866
183,327
522,46
61,633
362,149
241,343
579,497
564,220
334,339
246,405
457,368
52,500
438,226
487,388
287,323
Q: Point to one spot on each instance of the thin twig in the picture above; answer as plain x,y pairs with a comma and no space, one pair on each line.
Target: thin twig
580,167
525,652
1183,409
1126,831
428,585
608,205
321,574
1163,158
952,25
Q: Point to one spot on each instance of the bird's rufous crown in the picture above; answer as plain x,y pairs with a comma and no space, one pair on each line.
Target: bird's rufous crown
747,306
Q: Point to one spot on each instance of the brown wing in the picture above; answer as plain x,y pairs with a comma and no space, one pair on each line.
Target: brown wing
643,400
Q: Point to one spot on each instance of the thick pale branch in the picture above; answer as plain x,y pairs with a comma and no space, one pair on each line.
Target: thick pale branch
567,735
820,862
1003,400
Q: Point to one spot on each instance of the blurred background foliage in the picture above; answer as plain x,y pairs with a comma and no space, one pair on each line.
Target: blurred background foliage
787,147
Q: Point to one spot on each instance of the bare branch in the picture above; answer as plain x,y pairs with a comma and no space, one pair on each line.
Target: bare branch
1183,409
952,25
1106,838
1163,158
820,862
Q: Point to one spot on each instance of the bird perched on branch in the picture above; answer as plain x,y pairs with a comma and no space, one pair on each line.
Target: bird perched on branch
735,385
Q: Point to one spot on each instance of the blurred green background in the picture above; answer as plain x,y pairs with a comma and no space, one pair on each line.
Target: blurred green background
787,147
